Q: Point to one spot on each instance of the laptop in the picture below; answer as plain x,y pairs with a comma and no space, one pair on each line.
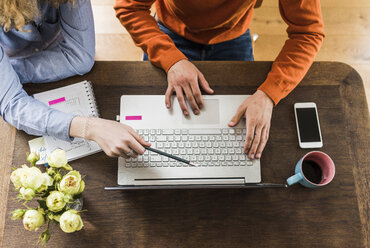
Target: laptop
204,139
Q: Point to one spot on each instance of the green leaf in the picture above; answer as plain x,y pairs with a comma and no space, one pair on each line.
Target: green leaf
67,167
77,196
44,237
43,204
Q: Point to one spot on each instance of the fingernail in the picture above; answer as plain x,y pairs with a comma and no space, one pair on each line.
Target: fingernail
196,111
252,156
258,155
185,112
231,123
167,105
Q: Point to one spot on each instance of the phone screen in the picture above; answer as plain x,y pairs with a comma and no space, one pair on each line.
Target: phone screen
308,125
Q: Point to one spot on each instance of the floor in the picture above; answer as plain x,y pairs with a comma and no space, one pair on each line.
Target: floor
347,27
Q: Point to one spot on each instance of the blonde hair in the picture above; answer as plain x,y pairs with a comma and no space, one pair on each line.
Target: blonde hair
17,13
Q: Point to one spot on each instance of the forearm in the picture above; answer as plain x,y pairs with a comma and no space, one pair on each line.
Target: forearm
52,65
290,67
85,127
143,28
26,113
305,32
35,118
78,127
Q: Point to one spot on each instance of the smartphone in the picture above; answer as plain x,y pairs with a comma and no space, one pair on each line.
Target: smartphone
308,126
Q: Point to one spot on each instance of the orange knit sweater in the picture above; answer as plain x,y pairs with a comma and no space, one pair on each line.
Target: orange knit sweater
214,21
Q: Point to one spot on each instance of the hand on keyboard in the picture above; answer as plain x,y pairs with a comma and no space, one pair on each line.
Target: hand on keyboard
183,77
257,110
116,139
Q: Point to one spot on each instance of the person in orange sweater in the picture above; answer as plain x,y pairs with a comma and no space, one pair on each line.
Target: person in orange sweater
219,30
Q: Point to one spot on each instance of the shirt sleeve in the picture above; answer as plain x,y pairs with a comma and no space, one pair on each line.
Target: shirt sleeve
74,55
26,113
305,35
143,28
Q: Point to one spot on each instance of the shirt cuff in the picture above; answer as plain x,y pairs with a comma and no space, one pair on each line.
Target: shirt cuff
171,57
274,90
58,125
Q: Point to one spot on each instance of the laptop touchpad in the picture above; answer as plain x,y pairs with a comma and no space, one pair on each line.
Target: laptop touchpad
209,114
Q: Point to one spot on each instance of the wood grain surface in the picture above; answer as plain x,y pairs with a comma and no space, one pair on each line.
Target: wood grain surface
292,217
7,135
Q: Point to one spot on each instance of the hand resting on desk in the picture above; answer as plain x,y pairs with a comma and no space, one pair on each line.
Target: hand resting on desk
116,139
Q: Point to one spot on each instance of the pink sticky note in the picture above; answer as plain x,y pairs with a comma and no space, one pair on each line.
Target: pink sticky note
133,117
62,99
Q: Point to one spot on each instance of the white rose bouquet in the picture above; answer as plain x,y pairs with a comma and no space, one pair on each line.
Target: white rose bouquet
58,193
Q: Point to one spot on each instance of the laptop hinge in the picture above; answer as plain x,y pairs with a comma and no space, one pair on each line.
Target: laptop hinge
187,181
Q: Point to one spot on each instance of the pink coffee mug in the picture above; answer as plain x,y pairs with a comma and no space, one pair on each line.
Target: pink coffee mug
320,159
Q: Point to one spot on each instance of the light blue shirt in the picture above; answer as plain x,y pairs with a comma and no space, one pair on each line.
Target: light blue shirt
59,44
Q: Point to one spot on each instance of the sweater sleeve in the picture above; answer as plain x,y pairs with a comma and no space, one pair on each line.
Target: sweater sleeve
135,17
305,35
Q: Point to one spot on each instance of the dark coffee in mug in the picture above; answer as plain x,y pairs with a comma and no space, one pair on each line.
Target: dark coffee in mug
312,171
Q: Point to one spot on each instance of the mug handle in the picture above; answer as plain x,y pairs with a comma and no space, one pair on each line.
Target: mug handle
294,179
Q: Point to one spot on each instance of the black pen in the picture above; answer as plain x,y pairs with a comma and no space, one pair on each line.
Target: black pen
169,155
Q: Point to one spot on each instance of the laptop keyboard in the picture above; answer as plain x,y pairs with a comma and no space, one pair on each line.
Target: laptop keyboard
203,147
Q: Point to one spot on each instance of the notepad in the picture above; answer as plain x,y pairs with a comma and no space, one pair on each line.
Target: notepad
77,99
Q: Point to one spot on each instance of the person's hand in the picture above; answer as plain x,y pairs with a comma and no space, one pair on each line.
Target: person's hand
257,110
184,77
116,139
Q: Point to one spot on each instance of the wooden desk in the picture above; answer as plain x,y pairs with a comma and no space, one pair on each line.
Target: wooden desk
292,217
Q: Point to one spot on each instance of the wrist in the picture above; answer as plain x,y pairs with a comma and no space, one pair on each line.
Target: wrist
175,64
91,127
81,127
266,97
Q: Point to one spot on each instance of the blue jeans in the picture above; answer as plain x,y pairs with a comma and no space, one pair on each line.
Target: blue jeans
239,49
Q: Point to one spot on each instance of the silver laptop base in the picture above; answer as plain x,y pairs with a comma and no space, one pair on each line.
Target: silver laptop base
198,186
